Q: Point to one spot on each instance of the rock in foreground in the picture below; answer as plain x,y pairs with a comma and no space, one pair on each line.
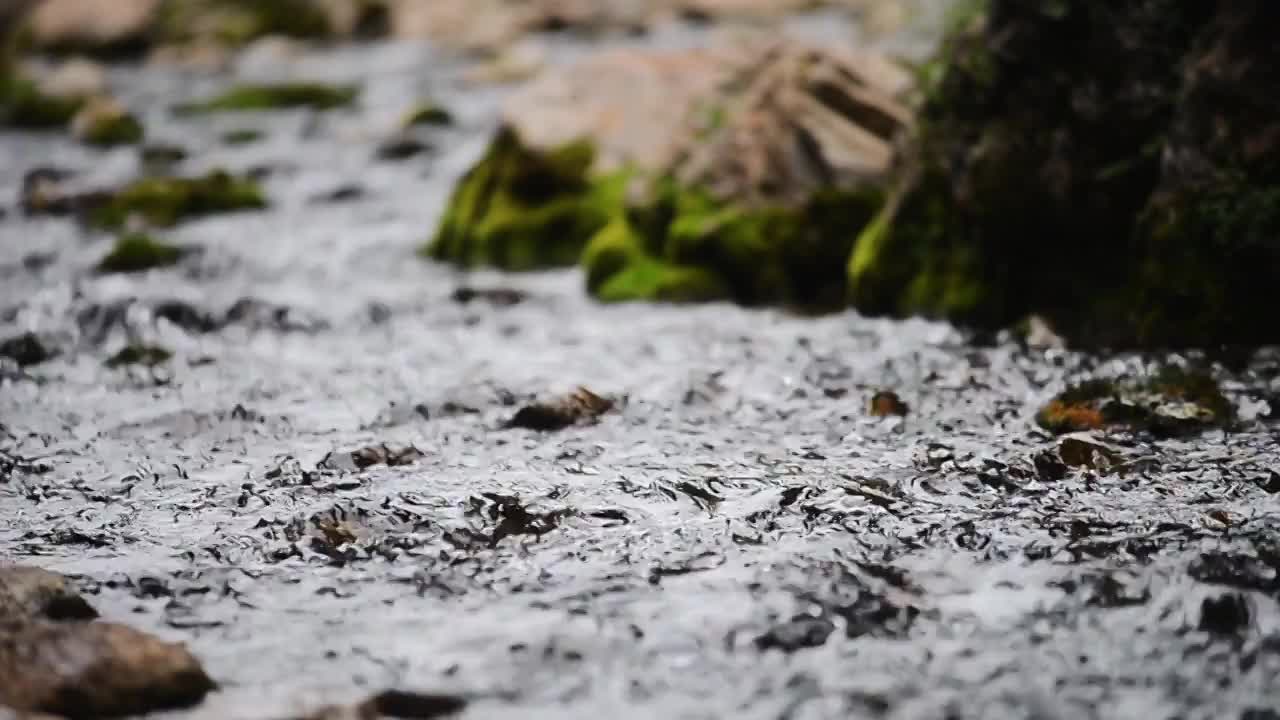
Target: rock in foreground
91,670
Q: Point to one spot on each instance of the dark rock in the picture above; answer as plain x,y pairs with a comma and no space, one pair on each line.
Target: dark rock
502,297
1134,144
186,316
395,704
27,349
798,633
369,456
1225,615
581,405
28,593
44,192
90,670
139,354
259,314
401,148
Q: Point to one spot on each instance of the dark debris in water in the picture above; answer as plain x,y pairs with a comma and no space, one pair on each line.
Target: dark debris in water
499,297
366,457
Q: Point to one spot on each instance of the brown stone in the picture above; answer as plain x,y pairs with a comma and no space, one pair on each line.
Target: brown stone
90,23
28,593
84,670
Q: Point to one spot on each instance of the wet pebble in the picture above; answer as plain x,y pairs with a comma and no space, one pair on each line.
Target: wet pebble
27,349
887,403
365,457
798,633
401,148
395,704
500,297
1226,614
261,315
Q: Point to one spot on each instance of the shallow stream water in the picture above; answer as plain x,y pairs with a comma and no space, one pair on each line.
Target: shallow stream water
740,538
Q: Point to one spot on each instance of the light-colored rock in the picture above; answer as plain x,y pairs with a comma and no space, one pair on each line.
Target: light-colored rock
748,120
75,78
90,23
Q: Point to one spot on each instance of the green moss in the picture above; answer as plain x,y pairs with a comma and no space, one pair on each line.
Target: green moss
274,97
428,114
114,129
520,209
139,354
243,136
137,252
165,201
22,105
686,246
237,22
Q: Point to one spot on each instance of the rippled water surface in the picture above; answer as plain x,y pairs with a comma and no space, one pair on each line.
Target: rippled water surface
740,538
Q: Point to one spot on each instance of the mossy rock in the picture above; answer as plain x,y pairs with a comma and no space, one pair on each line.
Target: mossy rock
111,129
687,246
522,209
164,201
1173,401
428,114
280,96
1110,167
23,106
139,354
137,252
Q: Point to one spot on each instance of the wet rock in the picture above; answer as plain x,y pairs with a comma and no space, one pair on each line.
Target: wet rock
580,406
886,403
91,28
23,105
28,593
316,96
27,349
501,297
1173,401
95,669
137,252
365,457
75,78
428,113
1086,453
1109,146
510,516
396,704
1226,614
798,633
1235,570
401,147
186,316
164,201
235,23
260,314
105,122
740,171
139,354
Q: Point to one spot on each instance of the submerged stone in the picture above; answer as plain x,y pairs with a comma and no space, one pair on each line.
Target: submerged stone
27,349
428,114
281,96
244,136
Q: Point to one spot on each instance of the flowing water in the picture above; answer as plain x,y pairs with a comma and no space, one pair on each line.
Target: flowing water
739,538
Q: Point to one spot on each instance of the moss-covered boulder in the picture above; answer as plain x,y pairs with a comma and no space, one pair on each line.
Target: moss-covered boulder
279,96
164,201
740,173
23,105
137,252
521,209
1113,167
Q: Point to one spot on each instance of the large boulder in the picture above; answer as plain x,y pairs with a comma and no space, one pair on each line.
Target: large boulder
743,170
1112,166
